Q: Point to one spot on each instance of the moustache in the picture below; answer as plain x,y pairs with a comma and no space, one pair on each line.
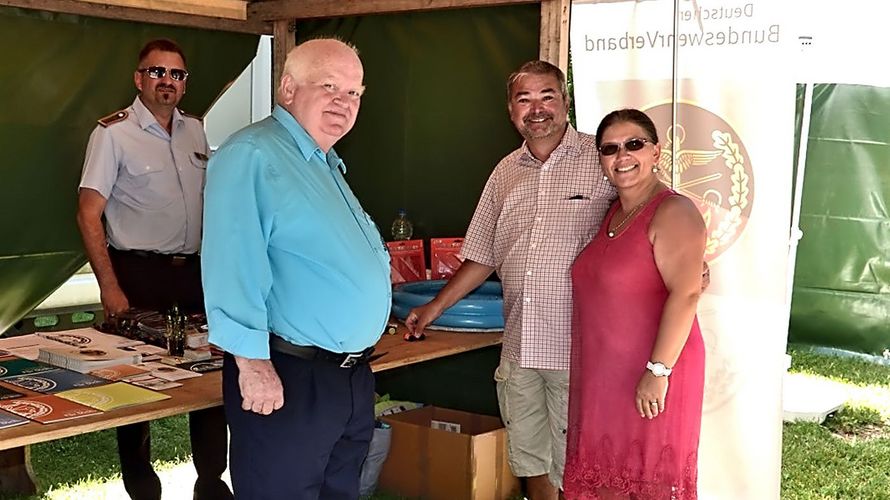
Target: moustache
171,88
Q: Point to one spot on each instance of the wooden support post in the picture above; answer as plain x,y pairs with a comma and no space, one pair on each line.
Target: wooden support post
284,38
555,32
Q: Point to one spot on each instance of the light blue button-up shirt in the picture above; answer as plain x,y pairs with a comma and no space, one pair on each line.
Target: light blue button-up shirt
287,247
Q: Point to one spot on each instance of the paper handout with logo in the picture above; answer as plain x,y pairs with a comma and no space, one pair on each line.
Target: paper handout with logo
112,396
9,420
54,381
46,409
117,372
89,337
17,366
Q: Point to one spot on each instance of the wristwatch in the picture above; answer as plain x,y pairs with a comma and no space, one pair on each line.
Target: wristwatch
658,369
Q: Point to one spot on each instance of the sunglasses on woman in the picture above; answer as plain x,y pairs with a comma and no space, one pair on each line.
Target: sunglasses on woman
611,148
155,72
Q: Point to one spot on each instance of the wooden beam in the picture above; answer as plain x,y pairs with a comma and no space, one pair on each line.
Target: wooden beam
284,39
226,9
555,32
82,8
270,10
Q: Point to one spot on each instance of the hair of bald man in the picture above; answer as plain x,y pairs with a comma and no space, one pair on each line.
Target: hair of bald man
295,63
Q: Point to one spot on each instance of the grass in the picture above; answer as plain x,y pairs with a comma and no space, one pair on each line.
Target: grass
846,457
849,455
83,466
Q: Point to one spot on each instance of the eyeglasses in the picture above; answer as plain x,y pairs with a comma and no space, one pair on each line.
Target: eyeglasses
635,144
155,72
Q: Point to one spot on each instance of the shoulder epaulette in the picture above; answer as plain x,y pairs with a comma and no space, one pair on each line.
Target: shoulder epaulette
194,117
113,118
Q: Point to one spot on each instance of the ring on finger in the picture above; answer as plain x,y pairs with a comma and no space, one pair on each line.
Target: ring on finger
653,403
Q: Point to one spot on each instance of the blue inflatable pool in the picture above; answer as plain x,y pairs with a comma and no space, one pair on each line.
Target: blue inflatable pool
481,310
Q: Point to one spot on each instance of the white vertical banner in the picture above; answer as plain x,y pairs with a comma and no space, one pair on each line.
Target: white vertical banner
731,146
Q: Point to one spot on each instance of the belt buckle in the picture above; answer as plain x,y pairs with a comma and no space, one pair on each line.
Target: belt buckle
178,260
351,360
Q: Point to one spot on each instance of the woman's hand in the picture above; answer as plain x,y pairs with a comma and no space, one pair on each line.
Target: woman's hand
651,394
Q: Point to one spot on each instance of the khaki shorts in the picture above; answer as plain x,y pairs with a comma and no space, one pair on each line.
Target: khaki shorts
534,406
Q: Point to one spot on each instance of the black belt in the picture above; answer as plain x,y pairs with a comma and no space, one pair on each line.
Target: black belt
344,359
175,259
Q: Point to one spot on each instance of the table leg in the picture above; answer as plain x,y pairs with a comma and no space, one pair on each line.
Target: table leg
16,475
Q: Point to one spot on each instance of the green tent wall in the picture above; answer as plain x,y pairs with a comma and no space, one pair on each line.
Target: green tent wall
59,75
842,278
433,122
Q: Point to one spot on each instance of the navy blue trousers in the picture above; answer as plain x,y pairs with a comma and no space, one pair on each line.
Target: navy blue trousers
313,447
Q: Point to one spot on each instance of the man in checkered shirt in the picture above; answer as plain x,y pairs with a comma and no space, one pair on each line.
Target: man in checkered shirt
541,205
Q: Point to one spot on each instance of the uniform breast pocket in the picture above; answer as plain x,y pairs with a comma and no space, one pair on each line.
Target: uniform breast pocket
199,160
145,186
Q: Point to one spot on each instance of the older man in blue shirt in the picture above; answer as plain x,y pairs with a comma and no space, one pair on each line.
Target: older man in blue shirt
297,288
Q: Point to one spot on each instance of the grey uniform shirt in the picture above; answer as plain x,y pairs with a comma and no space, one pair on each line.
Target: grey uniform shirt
153,181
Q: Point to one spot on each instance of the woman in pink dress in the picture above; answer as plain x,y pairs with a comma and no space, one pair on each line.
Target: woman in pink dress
637,370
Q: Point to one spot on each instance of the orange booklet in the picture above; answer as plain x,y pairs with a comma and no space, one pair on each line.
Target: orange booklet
117,372
46,409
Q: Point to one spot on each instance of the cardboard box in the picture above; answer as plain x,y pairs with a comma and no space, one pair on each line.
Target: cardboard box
466,462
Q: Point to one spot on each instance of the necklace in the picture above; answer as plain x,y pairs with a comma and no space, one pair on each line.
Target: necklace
626,218
612,232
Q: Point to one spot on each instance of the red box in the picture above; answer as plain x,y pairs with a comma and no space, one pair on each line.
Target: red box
445,258
407,261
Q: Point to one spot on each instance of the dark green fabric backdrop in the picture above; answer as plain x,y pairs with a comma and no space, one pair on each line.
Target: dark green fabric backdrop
842,279
433,122
60,73
432,126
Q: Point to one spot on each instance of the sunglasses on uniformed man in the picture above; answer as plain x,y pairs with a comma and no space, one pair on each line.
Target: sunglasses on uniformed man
156,72
611,148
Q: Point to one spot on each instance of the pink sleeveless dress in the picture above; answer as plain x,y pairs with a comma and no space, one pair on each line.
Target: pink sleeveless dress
612,452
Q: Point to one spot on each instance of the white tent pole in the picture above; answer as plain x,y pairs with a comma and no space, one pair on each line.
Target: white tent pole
675,95
796,234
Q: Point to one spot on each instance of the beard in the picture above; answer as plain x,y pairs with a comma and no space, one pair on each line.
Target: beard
531,130
166,95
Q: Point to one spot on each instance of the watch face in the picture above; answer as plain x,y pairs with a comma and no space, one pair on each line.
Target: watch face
658,369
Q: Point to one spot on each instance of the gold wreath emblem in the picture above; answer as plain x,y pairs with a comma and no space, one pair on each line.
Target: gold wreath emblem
739,194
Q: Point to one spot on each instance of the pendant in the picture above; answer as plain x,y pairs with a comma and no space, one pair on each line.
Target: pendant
611,234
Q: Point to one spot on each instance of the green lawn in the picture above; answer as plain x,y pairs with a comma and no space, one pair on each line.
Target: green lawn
848,457
71,468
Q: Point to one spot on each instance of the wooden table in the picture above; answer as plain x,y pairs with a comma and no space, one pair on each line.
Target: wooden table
205,392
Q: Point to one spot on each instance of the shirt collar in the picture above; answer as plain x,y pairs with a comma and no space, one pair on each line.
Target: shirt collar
570,143
147,119
305,143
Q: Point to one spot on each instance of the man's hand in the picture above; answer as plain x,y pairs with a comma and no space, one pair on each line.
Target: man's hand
261,389
114,301
420,317
705,276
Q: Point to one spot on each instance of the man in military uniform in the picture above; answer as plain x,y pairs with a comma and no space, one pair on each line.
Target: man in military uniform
144,171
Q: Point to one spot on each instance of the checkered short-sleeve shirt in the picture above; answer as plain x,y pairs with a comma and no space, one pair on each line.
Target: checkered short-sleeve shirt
531,222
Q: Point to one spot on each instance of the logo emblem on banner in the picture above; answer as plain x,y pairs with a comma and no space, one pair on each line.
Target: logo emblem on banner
713,168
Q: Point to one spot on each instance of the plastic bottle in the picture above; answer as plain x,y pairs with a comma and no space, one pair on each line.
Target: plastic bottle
401,227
